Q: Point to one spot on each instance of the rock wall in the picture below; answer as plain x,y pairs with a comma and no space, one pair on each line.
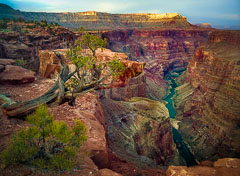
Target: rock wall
162,50
139,132
27,45
100,20
208,104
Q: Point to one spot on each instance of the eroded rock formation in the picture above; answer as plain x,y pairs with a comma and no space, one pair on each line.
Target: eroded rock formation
101,20
14,45
208,103
162,50
139,131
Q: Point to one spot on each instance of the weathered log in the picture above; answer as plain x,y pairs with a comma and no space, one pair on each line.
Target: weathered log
17,109
54,96
5,100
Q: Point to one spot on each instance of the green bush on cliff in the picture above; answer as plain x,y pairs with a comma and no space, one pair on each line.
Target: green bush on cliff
90,71
46,144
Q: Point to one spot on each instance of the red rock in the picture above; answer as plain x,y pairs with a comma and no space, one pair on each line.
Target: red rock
27,45
228,162
131,83
208,104
4,61
222,167
16,75
193,171
207,163
161,49
135,133
107,172
1,68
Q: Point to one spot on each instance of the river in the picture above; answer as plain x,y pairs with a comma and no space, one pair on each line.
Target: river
181,146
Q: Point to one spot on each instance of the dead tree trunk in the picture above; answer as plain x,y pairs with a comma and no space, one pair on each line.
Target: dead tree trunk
54,95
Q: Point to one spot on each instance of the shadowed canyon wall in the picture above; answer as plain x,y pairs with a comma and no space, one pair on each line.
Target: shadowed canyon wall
162,50
208,103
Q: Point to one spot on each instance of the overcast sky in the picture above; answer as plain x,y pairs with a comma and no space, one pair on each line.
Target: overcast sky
216,12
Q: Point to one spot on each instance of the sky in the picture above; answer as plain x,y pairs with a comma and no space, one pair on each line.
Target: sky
222,13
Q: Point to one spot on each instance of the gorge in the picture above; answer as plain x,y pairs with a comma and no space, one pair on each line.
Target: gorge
176,105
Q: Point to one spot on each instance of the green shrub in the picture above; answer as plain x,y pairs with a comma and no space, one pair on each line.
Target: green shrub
30,26
46,144
3,24
20,62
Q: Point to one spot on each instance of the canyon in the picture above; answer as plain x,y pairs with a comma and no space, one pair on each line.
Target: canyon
177,76
163,50
208,103
101,20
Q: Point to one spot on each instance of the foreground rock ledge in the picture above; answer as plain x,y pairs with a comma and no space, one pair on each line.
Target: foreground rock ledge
222,167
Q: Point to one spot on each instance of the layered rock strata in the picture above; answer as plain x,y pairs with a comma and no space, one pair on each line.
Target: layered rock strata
101,20
17,45
139,131
162,50
208,103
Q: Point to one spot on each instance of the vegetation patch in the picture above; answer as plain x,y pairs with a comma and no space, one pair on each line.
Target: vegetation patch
46,144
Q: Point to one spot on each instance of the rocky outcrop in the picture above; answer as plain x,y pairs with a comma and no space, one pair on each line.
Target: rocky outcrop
17,45
49,63
4,61
12,74
162,50
131,83
139,131
222,167
208,104
88,109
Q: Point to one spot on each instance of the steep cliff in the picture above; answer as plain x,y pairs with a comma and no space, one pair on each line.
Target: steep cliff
30,38
208,103
162,50
139,132
101,20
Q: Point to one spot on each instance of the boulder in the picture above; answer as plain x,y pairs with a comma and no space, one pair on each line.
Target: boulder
4,61
107,172
221,167
228,162
194,171
16,75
